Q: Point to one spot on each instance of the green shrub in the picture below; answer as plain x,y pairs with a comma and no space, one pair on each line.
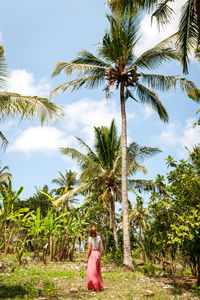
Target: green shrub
114,257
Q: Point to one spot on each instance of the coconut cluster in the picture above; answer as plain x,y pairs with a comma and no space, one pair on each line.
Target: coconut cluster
118,75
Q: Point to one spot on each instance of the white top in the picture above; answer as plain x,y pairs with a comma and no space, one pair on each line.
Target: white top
95,242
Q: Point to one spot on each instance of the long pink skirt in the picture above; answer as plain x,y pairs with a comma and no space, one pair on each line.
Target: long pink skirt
94,278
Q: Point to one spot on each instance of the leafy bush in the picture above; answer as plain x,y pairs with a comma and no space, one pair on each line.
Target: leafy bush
114,257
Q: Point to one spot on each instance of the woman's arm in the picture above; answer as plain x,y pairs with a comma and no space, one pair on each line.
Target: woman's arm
89,251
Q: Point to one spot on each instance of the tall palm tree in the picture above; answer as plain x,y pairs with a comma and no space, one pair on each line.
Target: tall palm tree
189,23
12,104
117,65
101,168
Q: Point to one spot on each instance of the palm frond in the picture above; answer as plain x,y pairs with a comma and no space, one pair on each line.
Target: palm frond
76,66
12,104
89,82
86,58
90,153
128,95
154,57
123,7
163,13
82,159
52,199
130,7
71,193
148,97
160,82
4,141
188,33
190,88
140,153
194,94
117,44
166,82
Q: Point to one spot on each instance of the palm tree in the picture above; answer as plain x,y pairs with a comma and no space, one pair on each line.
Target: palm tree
189,23
67,182
101,169
12,104
117,64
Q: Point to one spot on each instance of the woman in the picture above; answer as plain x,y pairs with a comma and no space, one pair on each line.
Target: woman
94,279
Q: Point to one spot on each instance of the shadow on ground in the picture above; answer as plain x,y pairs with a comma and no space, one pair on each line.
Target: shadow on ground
11,291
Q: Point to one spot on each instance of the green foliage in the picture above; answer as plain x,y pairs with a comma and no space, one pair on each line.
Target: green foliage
38,200
149,269
113,257
175,208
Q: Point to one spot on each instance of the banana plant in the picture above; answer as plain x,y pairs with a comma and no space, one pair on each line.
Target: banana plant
52,225
7,211
35,226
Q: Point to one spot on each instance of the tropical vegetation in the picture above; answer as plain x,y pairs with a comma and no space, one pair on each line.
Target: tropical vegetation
118,67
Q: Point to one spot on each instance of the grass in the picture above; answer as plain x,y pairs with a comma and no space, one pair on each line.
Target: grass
55,280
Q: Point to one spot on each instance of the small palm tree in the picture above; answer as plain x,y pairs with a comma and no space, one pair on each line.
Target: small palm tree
189,23
67,182
12,104
101,168
117,65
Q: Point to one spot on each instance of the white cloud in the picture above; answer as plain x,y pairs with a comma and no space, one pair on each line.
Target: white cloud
178,136
171,135
44,139
23,82
191,135
79,120
86,113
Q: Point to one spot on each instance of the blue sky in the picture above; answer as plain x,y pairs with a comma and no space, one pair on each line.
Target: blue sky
38,34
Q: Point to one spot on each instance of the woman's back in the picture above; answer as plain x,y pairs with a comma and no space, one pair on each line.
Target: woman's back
94,241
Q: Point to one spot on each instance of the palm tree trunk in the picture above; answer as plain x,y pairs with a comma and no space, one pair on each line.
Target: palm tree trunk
127,248
114,223
111,217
